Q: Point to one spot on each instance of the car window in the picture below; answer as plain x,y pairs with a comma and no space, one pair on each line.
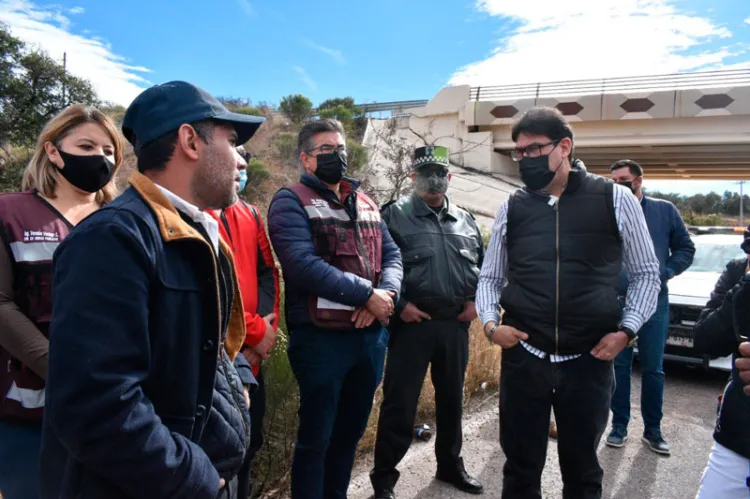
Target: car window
713,257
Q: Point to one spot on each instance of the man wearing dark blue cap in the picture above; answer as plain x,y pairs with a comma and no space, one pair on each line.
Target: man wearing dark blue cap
145,395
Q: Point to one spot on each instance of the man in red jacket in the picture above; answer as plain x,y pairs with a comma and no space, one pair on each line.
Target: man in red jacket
241,226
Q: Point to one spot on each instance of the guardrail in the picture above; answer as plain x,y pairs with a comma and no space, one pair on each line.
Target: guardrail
630,84
375,107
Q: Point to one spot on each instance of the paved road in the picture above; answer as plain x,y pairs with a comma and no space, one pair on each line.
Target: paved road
633,472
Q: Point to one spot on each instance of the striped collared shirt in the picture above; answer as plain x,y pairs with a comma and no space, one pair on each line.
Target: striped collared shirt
638,257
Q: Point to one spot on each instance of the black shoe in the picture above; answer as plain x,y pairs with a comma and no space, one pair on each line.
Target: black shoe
657,444
460,479
384,494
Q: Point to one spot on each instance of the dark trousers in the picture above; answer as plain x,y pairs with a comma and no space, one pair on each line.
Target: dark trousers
652,339
338,373
412,347
20,444
257,413
580,391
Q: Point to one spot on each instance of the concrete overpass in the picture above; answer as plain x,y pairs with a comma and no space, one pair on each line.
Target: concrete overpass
682,126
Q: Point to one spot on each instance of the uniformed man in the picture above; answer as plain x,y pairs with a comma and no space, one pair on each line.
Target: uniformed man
442,251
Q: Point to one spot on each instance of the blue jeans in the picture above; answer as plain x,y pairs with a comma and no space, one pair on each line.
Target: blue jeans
19,460
338,373
652,339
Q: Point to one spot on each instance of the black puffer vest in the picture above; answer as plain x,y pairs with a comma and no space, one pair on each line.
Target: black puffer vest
564,259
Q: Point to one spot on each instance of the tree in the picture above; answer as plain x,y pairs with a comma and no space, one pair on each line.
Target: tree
35,88
392,156
114,111
341,113
297,108
10,54
345,102
344,110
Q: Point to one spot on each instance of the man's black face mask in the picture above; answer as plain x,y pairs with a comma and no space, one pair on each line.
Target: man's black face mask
331,167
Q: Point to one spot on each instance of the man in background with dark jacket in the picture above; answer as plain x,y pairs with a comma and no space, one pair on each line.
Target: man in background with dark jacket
241,226
674,249
721,327
343,273
143,398
442,252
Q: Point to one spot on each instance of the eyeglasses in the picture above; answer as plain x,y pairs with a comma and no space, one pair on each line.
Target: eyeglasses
532,151
245,154
328,149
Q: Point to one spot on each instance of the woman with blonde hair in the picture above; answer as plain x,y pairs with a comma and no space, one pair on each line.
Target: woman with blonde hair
68,178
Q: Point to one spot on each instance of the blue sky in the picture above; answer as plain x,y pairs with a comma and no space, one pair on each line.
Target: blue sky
376,50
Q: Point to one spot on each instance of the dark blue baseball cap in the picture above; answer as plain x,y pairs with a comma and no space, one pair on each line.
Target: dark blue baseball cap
164,108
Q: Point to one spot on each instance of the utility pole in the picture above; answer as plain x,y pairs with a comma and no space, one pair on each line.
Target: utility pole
65,64
742,204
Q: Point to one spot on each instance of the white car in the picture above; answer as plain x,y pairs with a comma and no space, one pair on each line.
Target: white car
690,291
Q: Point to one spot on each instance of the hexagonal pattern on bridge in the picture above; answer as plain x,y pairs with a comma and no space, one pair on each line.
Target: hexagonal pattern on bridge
504,111
658,104
714,101
638,105
569,108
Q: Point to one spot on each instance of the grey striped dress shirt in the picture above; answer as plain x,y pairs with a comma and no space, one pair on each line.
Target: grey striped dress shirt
638,257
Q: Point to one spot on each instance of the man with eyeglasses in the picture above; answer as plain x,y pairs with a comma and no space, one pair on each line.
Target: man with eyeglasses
442,251
343,275
552,266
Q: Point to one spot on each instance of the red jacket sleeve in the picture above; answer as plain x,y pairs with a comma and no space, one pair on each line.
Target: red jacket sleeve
268,286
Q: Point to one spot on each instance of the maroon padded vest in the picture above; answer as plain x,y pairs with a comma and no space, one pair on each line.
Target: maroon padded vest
350,240
32,230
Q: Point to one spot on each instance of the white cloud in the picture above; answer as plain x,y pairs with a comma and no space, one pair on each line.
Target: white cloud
88,56
335,54
593,39
747,21
77,10
246,7
306,79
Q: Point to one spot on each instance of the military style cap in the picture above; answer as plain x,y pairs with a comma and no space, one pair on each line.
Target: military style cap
431,155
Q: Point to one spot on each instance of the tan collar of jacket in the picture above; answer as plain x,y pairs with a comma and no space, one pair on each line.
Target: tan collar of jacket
173,228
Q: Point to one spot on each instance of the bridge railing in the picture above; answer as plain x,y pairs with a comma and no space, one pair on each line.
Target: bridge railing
375,107
629,84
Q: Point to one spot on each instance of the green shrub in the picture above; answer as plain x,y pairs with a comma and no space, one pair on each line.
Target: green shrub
256,171
249,110
273,463
714,219
11,172
357,156
286,146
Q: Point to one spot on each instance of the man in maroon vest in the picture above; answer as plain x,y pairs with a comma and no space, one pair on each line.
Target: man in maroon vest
342,272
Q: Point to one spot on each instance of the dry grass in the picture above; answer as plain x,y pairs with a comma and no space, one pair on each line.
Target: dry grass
484,367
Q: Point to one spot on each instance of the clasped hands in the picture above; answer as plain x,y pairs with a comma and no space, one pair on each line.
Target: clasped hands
380,306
